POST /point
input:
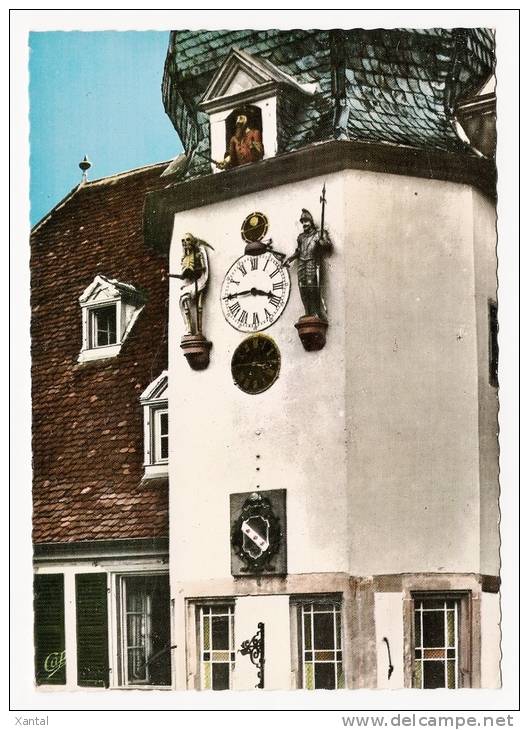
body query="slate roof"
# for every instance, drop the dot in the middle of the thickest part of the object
(87, 419)
(395, 86)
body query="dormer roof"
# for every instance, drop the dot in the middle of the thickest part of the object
(104, 289)
(157, 390)
(242, 76)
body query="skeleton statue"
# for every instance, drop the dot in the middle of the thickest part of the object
(194, 274)
(312, 243)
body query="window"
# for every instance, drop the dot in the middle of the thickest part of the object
(436, 642)
(145, 630)
(320, 629)
(255, 87)
(103, 326)
(156, 426)
(109, 310)
(216, 646)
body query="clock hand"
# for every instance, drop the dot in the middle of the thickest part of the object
(237, 294)
(253, 291)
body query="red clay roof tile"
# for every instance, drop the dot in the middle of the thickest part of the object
(87, 420)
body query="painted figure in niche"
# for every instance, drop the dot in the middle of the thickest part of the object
(195, 273)
(312, 244)
(246, 145)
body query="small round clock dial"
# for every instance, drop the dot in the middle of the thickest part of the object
(255, 364)
(254, 227)
(255, 292)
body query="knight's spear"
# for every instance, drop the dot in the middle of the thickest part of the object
(322, 201)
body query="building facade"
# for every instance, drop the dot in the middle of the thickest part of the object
(100, 502)
(326, 247)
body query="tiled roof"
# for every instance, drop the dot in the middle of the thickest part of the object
(396, 86)
(87, 420)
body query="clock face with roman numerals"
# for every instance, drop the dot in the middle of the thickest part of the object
(254, 292)
(255, 364)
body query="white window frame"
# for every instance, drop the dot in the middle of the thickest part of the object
(120, 618)
(101, 293)
(92, 324)
(154, 402)
(418, 647)
(157, 435)
(203, 664)
(301, 604)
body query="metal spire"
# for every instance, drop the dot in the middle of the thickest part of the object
(85, 165)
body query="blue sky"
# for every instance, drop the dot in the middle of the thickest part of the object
(94, 93)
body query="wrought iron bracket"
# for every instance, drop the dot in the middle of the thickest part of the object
(255, 648)
(390, 667)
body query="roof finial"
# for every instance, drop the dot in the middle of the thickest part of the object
(85, 165)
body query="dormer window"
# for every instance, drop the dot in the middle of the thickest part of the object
(252, 87)
(109, 309)
(156, 427)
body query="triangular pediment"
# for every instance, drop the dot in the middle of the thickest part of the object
(99, 290)
(104, 289)
(241, 72)
(158, 389)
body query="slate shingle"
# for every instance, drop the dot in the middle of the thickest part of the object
(380, 65)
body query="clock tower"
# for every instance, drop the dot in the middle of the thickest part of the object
(333, 460)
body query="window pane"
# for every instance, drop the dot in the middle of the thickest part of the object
(324, 677)
(221, 676)
(161, 434)
(417, 674)
(220, 632)
(137, 666)
(418, 638)
(434, 674)
(450, 628)
(324, 656)
(307, 630)
(104, 326)
(324, 631)
(309, 676)
(433, 603)
(433, 623)
(206, 634)
(451, 675)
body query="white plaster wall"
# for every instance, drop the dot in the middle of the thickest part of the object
(411, 382)
(490, 641)
(273, 611)
(376, 436)
(484, 219)
(388, 623)
(296, 428)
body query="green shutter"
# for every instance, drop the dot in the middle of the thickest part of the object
(92, 629)
(50, 654)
